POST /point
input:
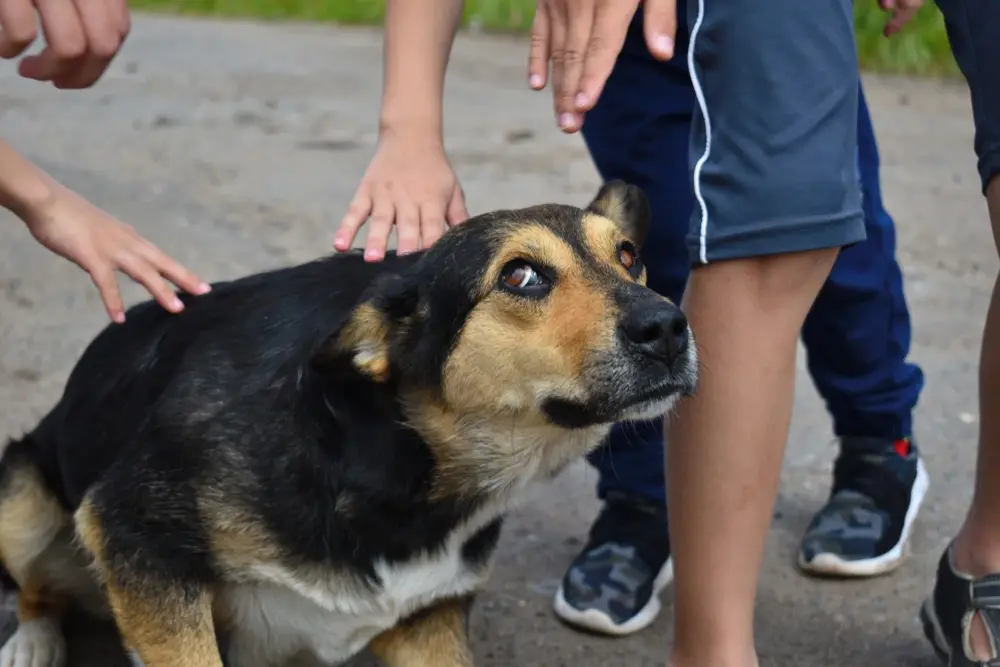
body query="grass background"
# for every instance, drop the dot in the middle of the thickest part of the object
(922, 47)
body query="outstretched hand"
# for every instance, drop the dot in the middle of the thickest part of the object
(582, 39)
(410, 185)
(81, 38)
(72, 227)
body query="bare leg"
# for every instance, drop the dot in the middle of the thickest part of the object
(725, 445)
(976, 550)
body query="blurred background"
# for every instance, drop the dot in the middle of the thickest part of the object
(922, 48)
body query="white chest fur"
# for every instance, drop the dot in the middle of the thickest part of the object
(325, 619)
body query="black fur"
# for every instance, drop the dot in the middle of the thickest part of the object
(162, 405)
(245, 395)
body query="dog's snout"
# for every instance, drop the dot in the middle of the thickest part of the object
(659, 329)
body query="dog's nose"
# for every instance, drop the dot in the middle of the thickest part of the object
(658, 328)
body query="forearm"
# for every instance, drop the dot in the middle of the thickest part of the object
(418, 39)
(22, 184)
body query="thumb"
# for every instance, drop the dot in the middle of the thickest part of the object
(660, 27)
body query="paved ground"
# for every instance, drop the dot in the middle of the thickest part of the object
(236, 147)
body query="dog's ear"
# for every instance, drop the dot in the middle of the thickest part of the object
(625, 205)
(366, 337)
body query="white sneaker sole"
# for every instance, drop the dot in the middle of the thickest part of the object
(833, 565)
(595, 620)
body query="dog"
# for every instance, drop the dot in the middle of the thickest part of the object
(316, 460)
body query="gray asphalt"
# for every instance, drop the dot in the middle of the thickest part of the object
(236, 147)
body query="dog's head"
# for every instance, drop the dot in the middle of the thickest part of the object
(535, 318)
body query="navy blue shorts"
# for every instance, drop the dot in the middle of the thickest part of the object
(773, 143)
(974, 32)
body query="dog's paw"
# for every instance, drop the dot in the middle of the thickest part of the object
(37, 643)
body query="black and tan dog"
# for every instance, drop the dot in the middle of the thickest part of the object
(317, 459)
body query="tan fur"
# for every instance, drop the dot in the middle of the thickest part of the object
(484, 440)
(366, 337)
(165, 627)
(604, 238)
(435, 637)
(534, 346)
(609, 204)
(34, 603)
(30, 519)
(494, 455)
(30, 523)
(238, 540)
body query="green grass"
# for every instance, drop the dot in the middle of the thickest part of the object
(922, 47)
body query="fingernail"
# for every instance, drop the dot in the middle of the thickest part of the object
(566, 121)
(664, 44)
(177, 304)
(118, 317)
(204, 288)
(535, 81)
(581, 100)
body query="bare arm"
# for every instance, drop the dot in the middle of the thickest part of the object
(22, 185)
(418, 39)
(70, 226)
(409, 184)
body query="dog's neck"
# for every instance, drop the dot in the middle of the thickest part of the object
(495, 456)
(477, 457)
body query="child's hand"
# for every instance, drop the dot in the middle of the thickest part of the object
(81, 38)
(411, 185)
(70, 226)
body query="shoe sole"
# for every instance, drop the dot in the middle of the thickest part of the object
(597, 621)
(829, 564)
(933, 632)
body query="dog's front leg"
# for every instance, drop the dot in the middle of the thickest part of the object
(434, 637)
(163, 623)
(164, 627)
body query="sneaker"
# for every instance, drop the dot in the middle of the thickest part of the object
(864, 528)
(613, 586)
(947, 614)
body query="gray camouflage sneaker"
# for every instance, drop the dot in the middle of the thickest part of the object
(864, 529)
(613, 585)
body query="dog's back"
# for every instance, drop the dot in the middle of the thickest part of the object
(270, 322)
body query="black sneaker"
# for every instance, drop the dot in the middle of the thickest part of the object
(865, 527)
(947, 614)
(613, 586)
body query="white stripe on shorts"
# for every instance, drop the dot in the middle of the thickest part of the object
(703, 106)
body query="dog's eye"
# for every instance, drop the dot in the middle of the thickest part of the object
(521, 277)
(629, 257)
